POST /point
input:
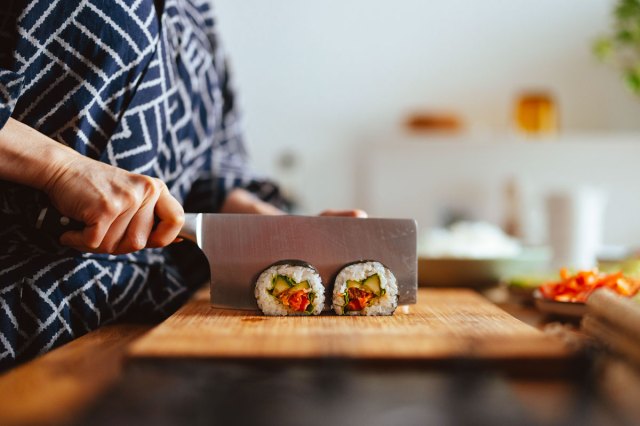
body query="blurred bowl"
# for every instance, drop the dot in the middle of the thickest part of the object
(522, 287)
(557, 308)
(628, 266)
(475, 272)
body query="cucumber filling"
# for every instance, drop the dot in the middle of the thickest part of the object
(291, 294)
(360, 294)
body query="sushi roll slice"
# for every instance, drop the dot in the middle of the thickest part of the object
(290, 287)
(365, 288)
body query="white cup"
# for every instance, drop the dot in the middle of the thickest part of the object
(575, 220)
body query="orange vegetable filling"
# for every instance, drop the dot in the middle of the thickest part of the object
(298, 300)
(358, 298)
(578, 287)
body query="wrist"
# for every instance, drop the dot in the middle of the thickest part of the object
(60, 159)
(242, 201)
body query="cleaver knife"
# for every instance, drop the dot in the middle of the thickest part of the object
(240, 246)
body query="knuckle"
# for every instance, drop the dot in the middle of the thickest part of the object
(160, 184)
(105, 204)
(92, 242)
(135, 242)
(109, 206)
(172, 227)
(148, 184)
(162, 240)
(179, 218)
(131, 196)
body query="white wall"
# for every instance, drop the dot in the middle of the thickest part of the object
(507, 181)
(321, 78)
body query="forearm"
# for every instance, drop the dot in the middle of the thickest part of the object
(242, 201)
(121, 211)
(28, 157)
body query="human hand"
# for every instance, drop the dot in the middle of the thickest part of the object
(242, 201)
(122, 211)
(345, 213)
(118, 208)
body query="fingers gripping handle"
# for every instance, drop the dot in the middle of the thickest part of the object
(55, 224)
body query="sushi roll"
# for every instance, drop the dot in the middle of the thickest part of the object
(365, 288)
(290, 287)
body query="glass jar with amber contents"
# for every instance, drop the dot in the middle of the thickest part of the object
(536, 114)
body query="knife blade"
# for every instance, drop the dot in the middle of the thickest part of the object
(239, 247)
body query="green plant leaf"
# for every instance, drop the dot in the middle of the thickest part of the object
(627, 9)
(624, 36)
(621, 47)
(633, 80)
(602, 48)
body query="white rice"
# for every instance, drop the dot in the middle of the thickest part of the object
(269, 305)
(384, 305)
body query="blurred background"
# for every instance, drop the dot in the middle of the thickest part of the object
(440, 110)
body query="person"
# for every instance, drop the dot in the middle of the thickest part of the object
(122, 116)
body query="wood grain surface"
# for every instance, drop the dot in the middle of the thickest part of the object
(56, 387)
(444, 324)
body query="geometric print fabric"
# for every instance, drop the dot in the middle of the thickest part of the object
(138, 84)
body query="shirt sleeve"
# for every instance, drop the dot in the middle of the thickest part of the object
(17, 203)
(10, 89)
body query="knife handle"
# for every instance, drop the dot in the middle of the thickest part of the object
(55, 224)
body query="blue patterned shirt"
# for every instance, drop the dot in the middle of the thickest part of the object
(137, 84)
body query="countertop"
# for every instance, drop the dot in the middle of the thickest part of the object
(89, 381)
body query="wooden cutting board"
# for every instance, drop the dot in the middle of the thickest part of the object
(444, 324)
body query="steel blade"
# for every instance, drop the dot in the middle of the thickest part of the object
(240, 247)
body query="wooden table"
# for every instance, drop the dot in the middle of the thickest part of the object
(87, 382)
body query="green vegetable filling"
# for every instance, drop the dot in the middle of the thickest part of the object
(371, 285)
(309, 309)
(283, 283)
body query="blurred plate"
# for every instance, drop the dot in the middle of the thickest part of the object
(563, 309)
(522, 287)
(473, 272)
